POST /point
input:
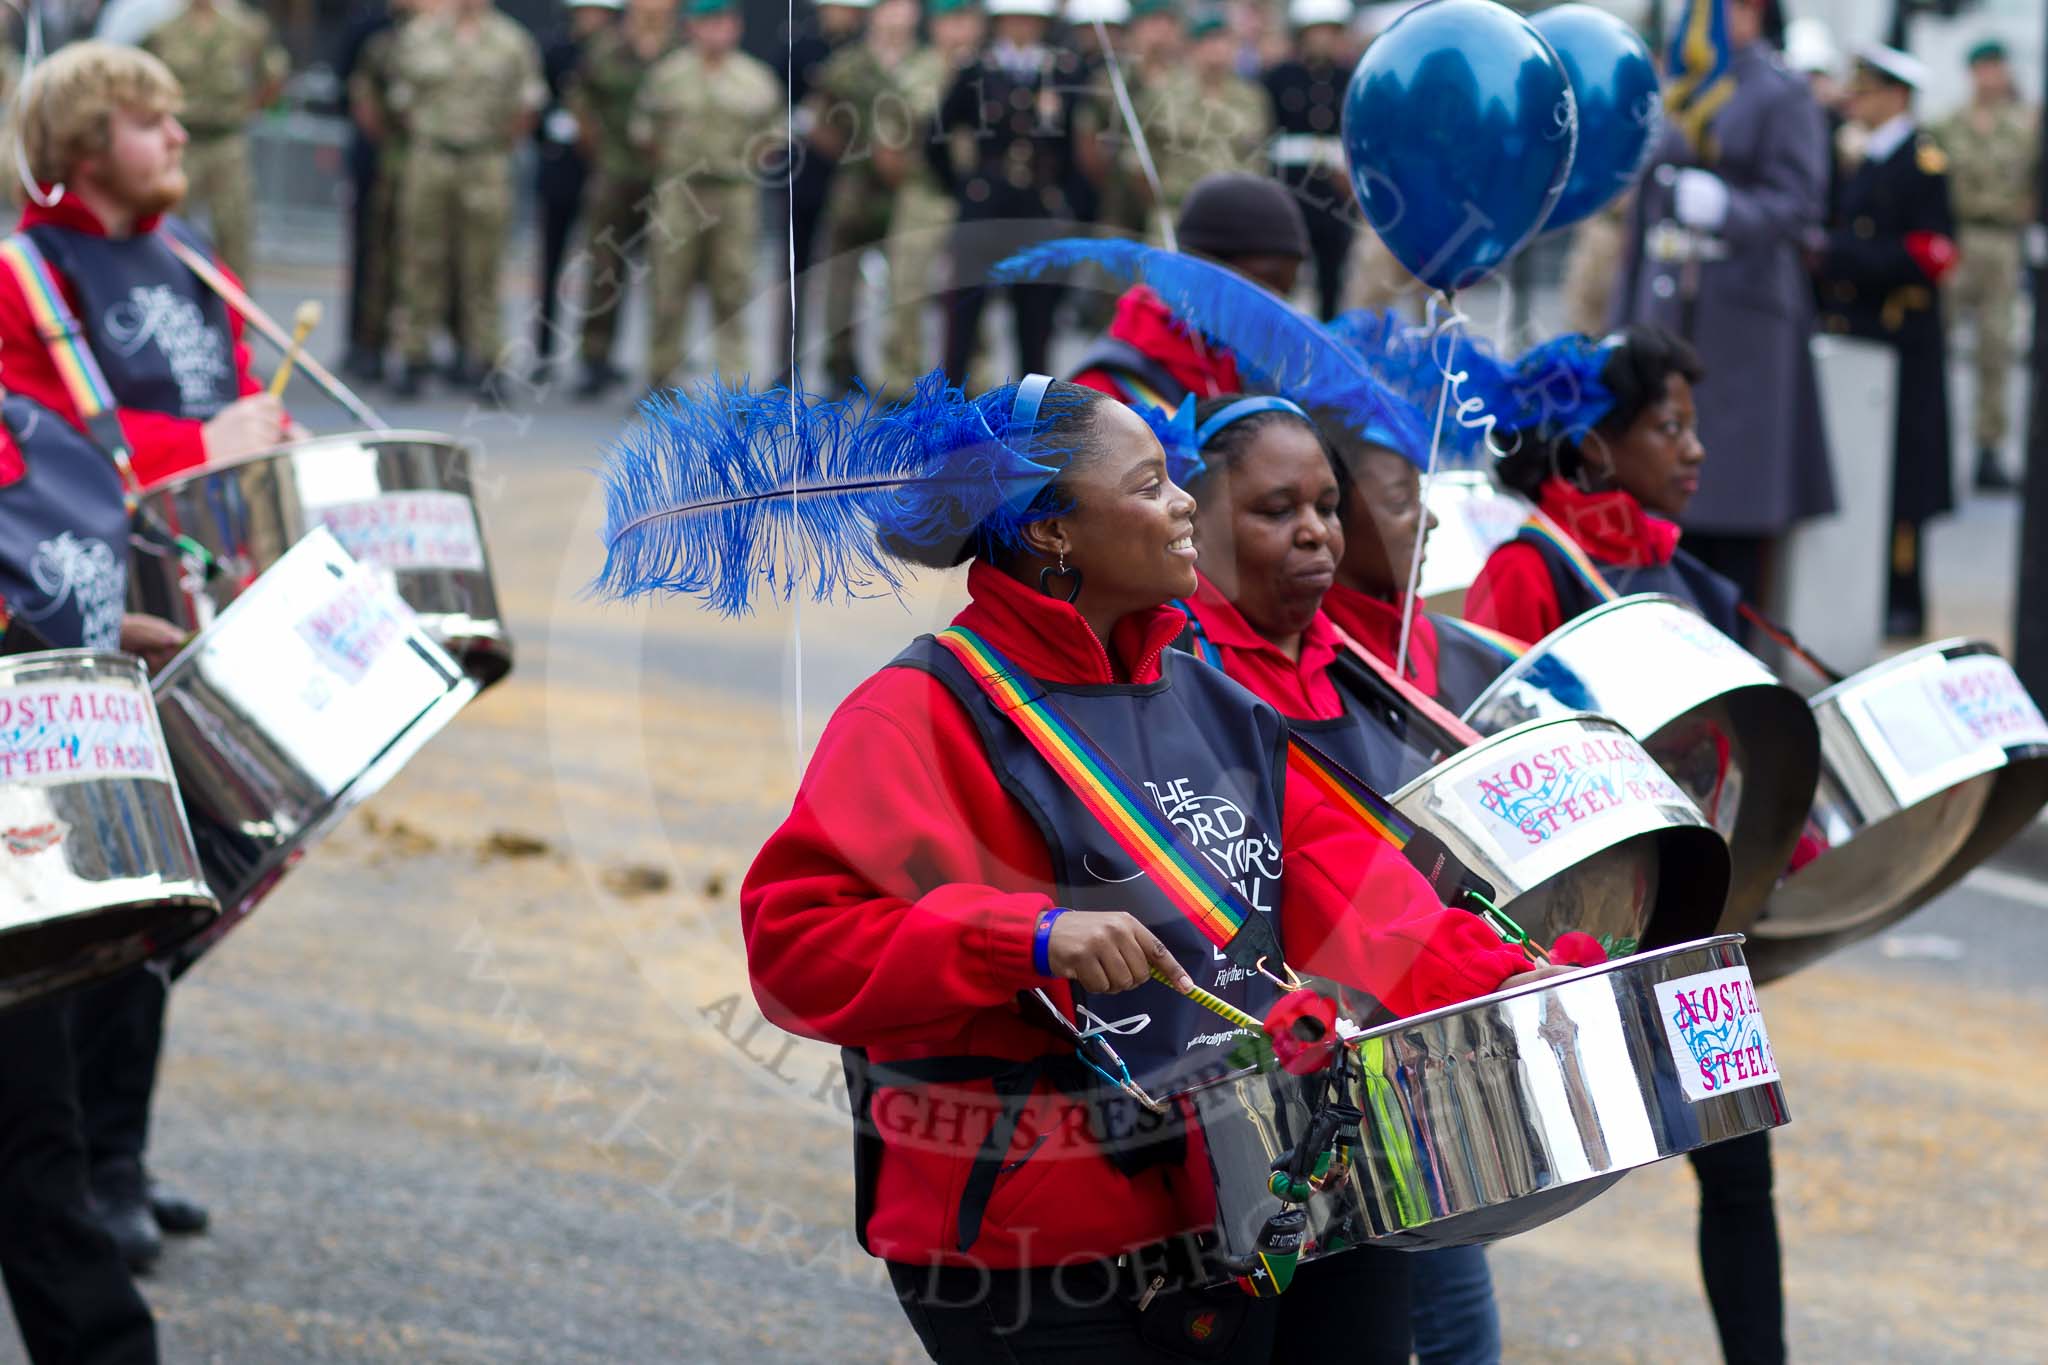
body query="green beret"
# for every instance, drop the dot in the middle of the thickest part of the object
(1990, 50)
(1141, 8)
(1206, 21)
(950, 6)
(703, 9)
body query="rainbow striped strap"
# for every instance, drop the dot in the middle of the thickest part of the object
(1351, 796)
(1506, 645)
(1543, 531)
(69, 352)
(1186, 878)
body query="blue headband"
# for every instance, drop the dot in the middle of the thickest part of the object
(1243, 408)
(1031, 392)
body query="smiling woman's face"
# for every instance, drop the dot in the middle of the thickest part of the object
(1129, 529)
(1268, 530)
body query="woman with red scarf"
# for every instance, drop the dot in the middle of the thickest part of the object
(945, 907)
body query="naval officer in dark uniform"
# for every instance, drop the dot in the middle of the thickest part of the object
(1017, 103)
(1889, 244)
(1307, 91)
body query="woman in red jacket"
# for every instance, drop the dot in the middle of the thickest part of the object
(1613, 471)
(943, 906)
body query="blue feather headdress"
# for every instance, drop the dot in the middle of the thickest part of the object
(1277, 346)
(1557, 386)
(722, 491)
(1176, 433)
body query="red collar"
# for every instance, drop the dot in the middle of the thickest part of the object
(71, 212)
(1612, 527)
(1376, 624)
(1049, 639)
(1144, 322)
(1226, 628)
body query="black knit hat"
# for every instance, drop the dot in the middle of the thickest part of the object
(1235, 213)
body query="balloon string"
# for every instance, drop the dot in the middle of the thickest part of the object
(1445, 327)
(796, 596)
(31, 58)
(1137, 134)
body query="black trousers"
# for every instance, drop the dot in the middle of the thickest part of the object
(1352, 1307)
(362, 240)
(73, 1298)
(119, 1037)
(1326, 207)
(1033, 305)
(1739, 1249)
(559, 187)
(1745, 559)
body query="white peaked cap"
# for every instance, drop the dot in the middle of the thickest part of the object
(1108, 11)
(1302, 13)
(1902, 67)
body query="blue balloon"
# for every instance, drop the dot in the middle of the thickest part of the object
(1459, 129)
(1620, 105)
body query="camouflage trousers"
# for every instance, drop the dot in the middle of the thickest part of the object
(618, 218)
(455, 209)
(920, 232)
(862, 211)
(1983, 289)
(707, 232)
(381, 254)
(219, 184)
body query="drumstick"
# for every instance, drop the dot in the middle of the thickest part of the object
(1211, 1003)
(303, 323)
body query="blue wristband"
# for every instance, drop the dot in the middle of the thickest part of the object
(1041, 940)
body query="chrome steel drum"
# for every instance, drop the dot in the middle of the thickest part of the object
(1931, 761)
(1577, 828)
(1475, 516)
(97, 867)
(399, 501)
(1496, 1116)
(1742, 744)
(303, 699)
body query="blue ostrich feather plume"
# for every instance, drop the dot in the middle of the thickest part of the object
(1558, 388)
(1176, 433)
(1276, 345)
(1411, 361)
(721, 492)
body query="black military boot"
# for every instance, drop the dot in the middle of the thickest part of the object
(410, 383)
(1991, 476)
(599, 378)
(176, 1214)
(120, 1204)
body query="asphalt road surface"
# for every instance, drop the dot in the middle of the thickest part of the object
(483, 1081)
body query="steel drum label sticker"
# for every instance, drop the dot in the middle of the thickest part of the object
(1716, 1032)
(407, 531)
(1961, 707)
(1549, 789)
(351, 630)
(75, 732)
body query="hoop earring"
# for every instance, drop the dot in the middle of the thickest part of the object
(1048, 573)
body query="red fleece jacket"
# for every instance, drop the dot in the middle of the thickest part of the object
(1300, 689)
(1144, 321)
(1514, 593)
(1376, 624)
(894, 911)
(162, 445)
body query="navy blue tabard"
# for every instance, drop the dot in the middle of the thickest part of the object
(1466, 663)
(1212, 756)
(63, 533)
(157, 331)
(1685, 578)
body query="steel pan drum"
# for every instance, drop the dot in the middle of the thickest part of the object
(1475, 516)
(1496, 1116)
(97, 867)
(1577, 828)
(401, 502)
(1742, 744)
(1931, 761)
(303, 699)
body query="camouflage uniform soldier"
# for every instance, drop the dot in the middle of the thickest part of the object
(224, 55)
(923, 221)
(466, 82)
(710, 116)
(1992, 145)
(1204, 117)
(859, 89)
(619, 206)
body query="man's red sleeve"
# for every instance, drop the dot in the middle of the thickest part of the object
(161, 445)
(1514, 594)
